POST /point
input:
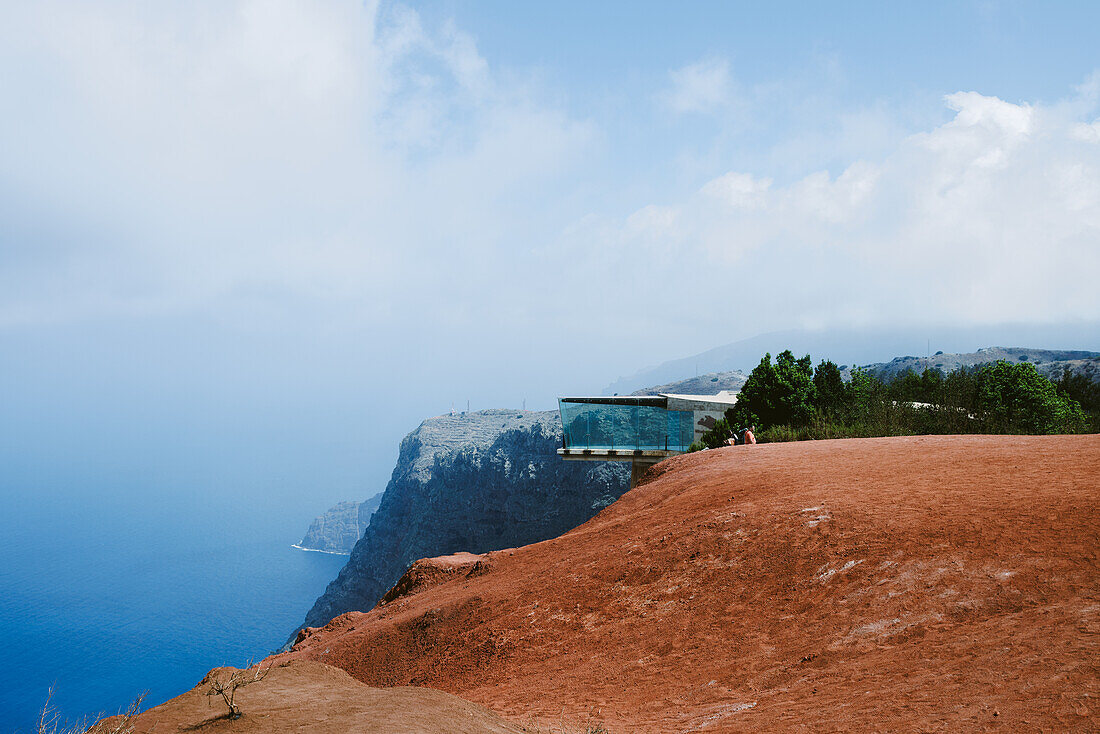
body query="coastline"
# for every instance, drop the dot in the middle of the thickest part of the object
(318, 550)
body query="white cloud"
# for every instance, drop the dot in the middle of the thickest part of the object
(233, 153)
(993, 216)
(1089, 133)
(257, 161)
(701, 87)
(739, 190)
(976, 110)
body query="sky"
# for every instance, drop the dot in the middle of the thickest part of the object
(255, 243)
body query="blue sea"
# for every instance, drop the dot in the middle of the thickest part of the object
(107, 593)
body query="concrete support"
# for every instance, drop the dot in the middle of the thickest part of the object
(638, 468)
(639, 459)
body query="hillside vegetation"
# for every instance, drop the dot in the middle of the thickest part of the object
(790, 399)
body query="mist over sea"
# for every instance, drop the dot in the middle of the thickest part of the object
(108, 592)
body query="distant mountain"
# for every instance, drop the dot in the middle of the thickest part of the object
(708, 384)
(860, 346)
(339, 529)
(1050, 362)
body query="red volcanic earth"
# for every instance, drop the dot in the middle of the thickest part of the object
(944, 583)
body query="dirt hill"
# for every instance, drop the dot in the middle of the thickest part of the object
(306, 696)
(907, 584)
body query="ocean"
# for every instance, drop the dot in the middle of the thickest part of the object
(105, 594)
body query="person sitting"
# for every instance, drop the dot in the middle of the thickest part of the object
(742, 437)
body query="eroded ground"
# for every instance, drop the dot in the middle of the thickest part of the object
(907, 584)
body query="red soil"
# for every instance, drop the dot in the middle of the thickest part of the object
(429, 572)
(914, 584)
(306, 696)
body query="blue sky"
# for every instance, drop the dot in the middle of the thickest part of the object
(272, 234)
(607, 61)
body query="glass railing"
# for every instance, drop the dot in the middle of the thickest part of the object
(590, 425)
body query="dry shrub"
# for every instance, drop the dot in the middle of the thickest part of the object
(50, 722)
(226, 685)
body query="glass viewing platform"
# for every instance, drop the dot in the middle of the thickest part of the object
(641, 429)
(627, 423)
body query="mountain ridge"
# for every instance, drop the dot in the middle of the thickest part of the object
(859, 346)
(1049, 362)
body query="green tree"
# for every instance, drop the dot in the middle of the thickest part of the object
(776, 394)
(1079, 387)
(716, 436)
(789, 400)
(831, 394)
(1015, 398)
(925, 387)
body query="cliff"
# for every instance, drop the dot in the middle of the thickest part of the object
(339, 529)
(927, 583)
(471, 482)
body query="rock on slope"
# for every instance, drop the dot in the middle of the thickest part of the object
(470, 482)
(317, 698)
(339, 529)
(947, 583)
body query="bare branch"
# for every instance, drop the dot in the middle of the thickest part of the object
(49, 720)
(227, 686)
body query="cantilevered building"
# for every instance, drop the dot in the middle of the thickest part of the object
(642, 429)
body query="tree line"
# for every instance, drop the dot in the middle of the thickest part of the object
(791, 400)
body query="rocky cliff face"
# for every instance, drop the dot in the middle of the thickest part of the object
(472, 482)
(339, 529)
